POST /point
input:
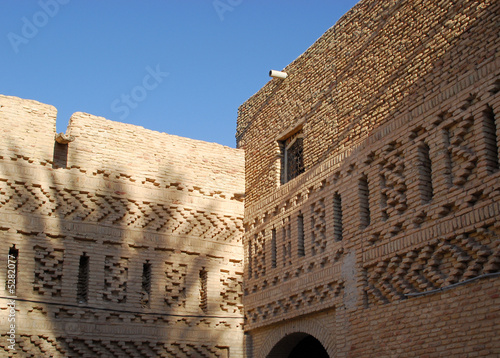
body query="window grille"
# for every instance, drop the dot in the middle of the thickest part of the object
(82, 285)
(292, 164)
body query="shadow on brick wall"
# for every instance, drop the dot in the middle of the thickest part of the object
(112, 261)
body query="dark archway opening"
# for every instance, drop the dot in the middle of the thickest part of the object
(309, 347)
(298, 345)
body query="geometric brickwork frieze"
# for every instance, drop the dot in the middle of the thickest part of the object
(83, 206)
(437, 264)
(61, 347)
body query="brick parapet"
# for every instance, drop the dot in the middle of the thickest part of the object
(156, 156)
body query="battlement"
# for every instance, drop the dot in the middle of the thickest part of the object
(115, 150)
(28, 128)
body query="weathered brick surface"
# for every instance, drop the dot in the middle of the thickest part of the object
(127, 197)
(386, 246)
(398, 105)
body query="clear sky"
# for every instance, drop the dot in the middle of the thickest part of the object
(180, 67)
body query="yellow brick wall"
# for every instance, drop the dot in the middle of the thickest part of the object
(125, 196)
(399, 106)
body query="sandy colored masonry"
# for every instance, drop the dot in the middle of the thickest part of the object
(398, 110)
(158, 220)
(359, 216)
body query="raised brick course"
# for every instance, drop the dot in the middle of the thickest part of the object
(150, 211)
(136, 243)
(398, 106)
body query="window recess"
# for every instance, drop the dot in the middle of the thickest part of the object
(291, 145)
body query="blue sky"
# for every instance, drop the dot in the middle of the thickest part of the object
(180, 67)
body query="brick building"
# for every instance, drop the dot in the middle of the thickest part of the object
(128, 242)
(373, 183)
(369, 228)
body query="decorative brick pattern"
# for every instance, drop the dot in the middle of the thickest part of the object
(393, 185)
(398, 108)
(387, 230)
(144, 221)
(259, 254)
(328, 294)
(438, 264)
(58, 348)
(48, 271)
(318, 227)
(83, 206)
(462, 157)
(175, 288)
(115, 279)
(232, 292)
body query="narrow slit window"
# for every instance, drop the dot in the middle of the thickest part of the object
(490, 130)
(146, 284)
(82, 286)
(273, 248)
(425, 173)
(364, 201)
(203, 290)
(289, 241)
(337, 217)
(300, 229)
(250, 258)
(284, 241)
(11, 281)
(383, 197)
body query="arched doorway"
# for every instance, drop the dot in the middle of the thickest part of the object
(298, 345)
